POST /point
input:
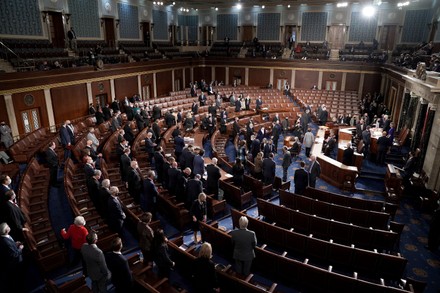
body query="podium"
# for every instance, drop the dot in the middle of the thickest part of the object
(393, 184)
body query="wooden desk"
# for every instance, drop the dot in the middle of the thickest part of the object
(345, 135)
(332, 171)
(375, 134)
(223, 173)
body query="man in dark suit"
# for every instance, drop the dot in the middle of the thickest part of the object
(149, 147)
(193, 188)
(149, 196)
(360, 127)
(347, 156)
(128, 133)
(104, 195)
(52, 161)
(258, 103)
(93, 187)
(276, 131)
(129, 112)
(95, 265)
(134, 180)
(13, 216)
(156, 130)
(115, 214)
(366, 139)
(243, 242)
(118, 266)
(199, 163)
(255, 147)
(287, 160)
(202, 99)
(5, 185)
(314, 171)
(235, 127)
(12, 260)
(159, 161)
(189, 157)
(301, 179)
(214, 175)
(383, 143)
(269, 167)
(115, 106)
(179, 144)
(106, 112)
(65, 138)
(174, 175)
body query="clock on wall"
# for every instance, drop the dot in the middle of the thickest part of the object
(108, 7)
(29, 100)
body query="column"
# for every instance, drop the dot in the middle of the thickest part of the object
(154, 85)
(361, 85)
(112, 89)
(271, 78)
(292, 79)
(89, 92)
(344, 80)
(140, 87)
(246, 76)
(227, 76)
(184, 78)
(213, 73)
(320, 80)
(172, 81)
(421, 111)
(382, 83)
(432, 156)
(49, 107)
(11, 115)
(192, 74)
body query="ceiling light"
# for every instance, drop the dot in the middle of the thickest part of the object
(174, 3)
(368, 11)
(263, 6)
(342, 4)
(402, 4)
(216, 9)
(238, 6)
(288, 6)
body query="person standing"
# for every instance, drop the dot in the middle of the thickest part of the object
(11, 254)
(52, 160)
(205, 275)
(383, 143)
(146, 235)
(366, 139)
(115, 216)
(161, 255)
(287, 160)
(14, 216)
(77, 234)
(118, 266)
(301, 179)
(134, 180)
(198, 213)
(6, 135)
(71, 35)
(308, 141)
(95, 265)
(214, 175)
(314, 171)
(269, 167)
(347, 156)
(149, 196)
(66, 140)
(243, 243)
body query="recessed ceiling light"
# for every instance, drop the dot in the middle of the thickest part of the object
(368, 11)
(263, 6)
(238, 6)
(288, 6)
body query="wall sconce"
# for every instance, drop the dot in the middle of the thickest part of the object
(152, 26)
(45, 15)
(117, 22)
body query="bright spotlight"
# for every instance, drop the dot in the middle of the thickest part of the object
(238, 6)
(263, 6)
(368, 11)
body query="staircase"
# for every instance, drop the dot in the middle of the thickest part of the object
(5, 66)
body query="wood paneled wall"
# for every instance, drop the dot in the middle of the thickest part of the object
(126, 87)
(100, 88)
(259, 77)
(69, 102)
(164, 83)
(202, 73)
(236, 72)
(352, 82)
(371, 83)
(39, 103)
(3, 113)
(220, 74)
(306, 79)
(332, 76)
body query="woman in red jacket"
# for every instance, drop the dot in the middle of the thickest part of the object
(77, 234)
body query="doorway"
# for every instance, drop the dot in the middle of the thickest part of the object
(109, 32)
(331, 85)
(146, 92)
(281, 83)
(248, 33)
(388, 37)
(290, 36)
(147, 35)
(101, 100)
(56, 30)
(30, 119)
(336, 36)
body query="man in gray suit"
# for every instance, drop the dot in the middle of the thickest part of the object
(244, 242)
(314, 171)
(95, 266)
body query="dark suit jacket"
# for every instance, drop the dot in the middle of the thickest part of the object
(301, 180)
(193, 189)
(150, 193)
(64, 136)
(174, 175)
(125, 165)
(314, 172)
(95, 262)
(89, 170)
(106, 112)
(15, 219)
(189, 159)
(179, 144)
(99, 118)
(115, 214)
(10, 254)
(134, 180)
(149, 146)
(51, 158)
(213, 177)
(269, 167)
(244, 242)
(121, 273)
(198, 165)
(347, 157)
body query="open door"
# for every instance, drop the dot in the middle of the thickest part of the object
(248, 33)
(388, 37)
(290, 35)
(109, 32)
(57, 33)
